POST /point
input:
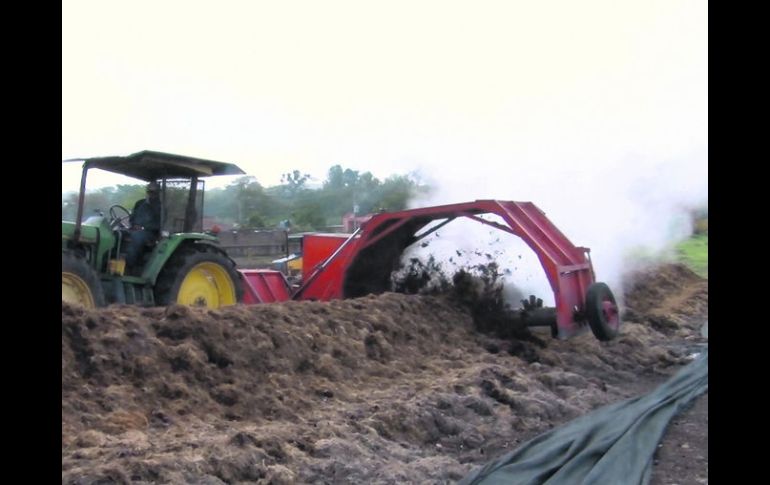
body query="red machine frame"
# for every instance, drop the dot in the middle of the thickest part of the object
(362, 263)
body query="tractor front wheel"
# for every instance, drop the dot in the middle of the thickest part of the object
(602, 312)
(79, 282)
(200, 278)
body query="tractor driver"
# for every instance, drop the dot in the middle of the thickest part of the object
(145, 224)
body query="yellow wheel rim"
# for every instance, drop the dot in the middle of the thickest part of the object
(75, 290)
(207, 284)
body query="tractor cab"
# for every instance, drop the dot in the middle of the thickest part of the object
(179, 207)
(100, 241)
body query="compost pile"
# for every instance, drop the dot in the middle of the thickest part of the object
(393, 388)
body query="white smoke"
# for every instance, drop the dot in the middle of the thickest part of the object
(615, 157)
(618, 203)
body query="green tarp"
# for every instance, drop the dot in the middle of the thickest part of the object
(614, 444)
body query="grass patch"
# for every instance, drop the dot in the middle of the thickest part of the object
(694, 252)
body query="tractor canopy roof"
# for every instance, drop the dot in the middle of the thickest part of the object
(149, 165)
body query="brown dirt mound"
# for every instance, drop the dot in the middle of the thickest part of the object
(381, 389)
(665, 297)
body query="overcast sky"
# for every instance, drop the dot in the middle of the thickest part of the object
(591, 109)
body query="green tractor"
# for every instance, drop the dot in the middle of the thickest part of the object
(183, 265)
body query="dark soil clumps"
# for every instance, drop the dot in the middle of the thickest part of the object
(393, 388)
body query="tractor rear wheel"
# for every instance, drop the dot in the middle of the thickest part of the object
(199, 278)
(602, 312)
(79, 282)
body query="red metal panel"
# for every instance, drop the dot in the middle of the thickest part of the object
(264, 286)
(316, 248)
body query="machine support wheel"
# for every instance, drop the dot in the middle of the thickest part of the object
(199, 278)
(602, 312)
(79, 282)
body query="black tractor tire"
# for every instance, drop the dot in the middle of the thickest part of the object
(602, 312)
(80, 283)
(199, 277)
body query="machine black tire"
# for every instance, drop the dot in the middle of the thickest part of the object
(222, 281)
(604, 327)
(80, 283)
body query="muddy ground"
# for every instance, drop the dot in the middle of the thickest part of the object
(382, 389)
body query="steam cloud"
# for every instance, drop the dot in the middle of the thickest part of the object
(619, 200)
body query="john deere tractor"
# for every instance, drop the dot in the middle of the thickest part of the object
(183, 265)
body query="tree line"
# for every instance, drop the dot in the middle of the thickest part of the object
(248, 204)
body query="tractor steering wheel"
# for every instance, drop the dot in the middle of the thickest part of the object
(119, 221)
